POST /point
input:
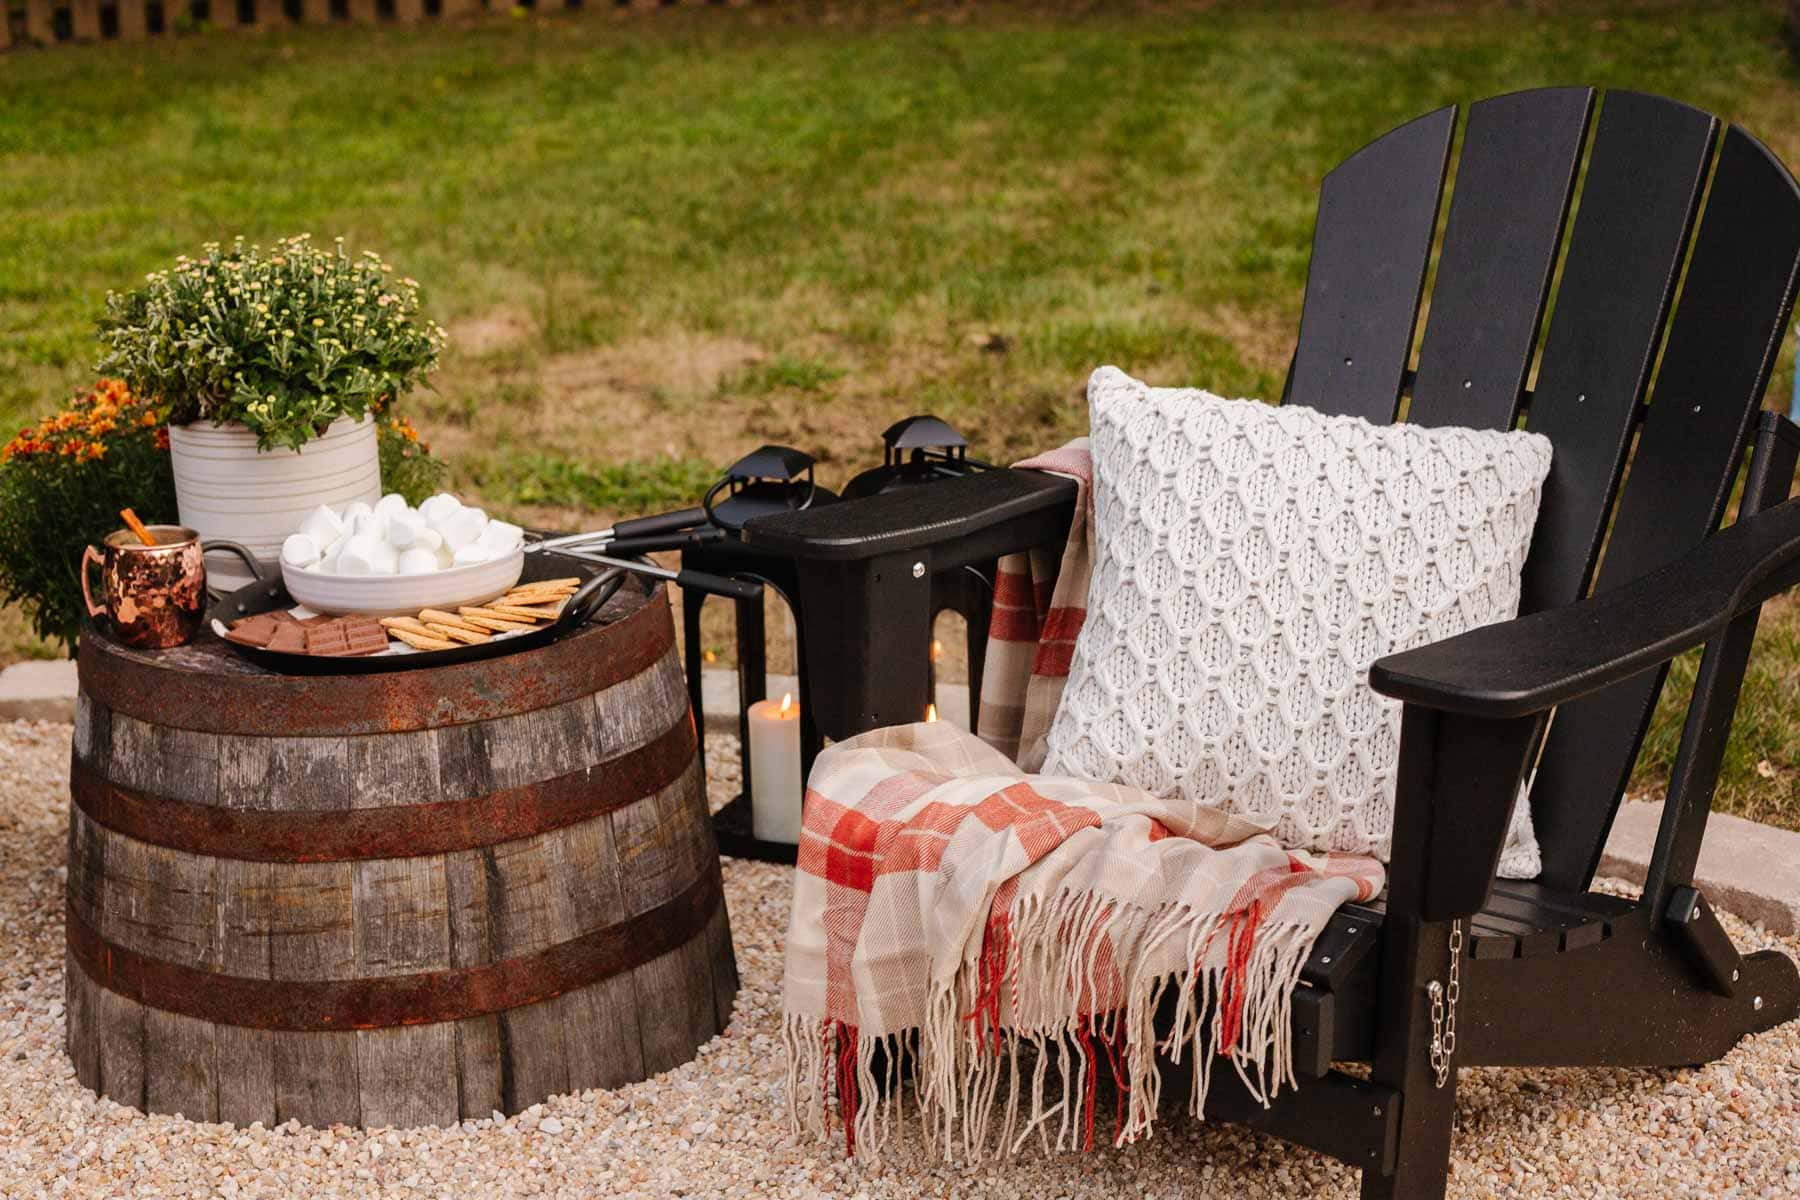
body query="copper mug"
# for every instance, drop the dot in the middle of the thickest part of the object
(155, 596)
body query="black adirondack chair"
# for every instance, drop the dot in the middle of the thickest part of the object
(1684, 243)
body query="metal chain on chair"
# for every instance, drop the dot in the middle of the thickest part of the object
(1443, 1009)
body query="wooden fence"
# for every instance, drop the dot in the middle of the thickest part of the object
(52, 22)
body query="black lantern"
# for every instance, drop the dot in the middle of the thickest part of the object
(916, 451)
(768, 480)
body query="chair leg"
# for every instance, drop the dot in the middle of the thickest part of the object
(1422, 1164)
(1414, 954)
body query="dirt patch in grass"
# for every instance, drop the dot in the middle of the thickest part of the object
(502, 329)
(646, 397)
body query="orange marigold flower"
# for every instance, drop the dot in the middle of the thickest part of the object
(95, 451)
(147, 420)
(101, 425)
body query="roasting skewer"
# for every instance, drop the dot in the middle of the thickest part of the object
(699, 581)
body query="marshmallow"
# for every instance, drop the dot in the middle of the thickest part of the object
(389, 537)
(470, 555)
(404, 528)
(463, 527)
(299, 550)
(371, 525)
(363, 555)
(438, 507)
(501, 538)
(322, 525)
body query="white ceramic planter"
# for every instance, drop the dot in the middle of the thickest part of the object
(227, 488)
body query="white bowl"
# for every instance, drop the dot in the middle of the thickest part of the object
(404, 595)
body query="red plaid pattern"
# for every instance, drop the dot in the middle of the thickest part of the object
(1040, 602)
(933, 870)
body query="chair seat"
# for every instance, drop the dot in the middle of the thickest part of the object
(1335, 1006)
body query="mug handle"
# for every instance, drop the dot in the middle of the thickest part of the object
(91, 555)
(256, 570)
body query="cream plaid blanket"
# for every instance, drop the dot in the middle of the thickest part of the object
(1004, 940)
(1039, 606)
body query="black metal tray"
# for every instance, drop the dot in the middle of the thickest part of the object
(265, 595)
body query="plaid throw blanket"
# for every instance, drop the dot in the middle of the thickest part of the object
(968, 927)
(1039, 605)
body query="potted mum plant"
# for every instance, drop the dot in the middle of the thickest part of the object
(273, 365)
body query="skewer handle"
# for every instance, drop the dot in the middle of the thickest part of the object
(698, 581)
(669, 522)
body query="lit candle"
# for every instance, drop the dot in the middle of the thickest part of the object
(775, 785)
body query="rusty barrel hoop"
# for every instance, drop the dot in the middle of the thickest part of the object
(397, 899)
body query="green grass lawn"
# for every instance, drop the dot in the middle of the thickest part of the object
(659, 238)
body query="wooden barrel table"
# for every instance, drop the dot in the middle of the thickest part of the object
(395, 899)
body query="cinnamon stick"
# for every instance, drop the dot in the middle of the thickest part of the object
(137, 527)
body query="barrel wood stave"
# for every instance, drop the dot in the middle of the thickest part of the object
(250, 907)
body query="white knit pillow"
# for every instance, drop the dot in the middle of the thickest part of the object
(1250, 563)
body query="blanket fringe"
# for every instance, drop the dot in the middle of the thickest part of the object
(1073, 985)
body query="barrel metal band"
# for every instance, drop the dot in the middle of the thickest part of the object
(425, 998)
(397, 831)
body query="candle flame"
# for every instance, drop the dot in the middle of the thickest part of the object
(787, 702)
(931, 712)
(937, 649)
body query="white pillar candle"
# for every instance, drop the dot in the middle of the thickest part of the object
(775, 784)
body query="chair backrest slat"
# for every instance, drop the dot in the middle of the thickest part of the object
(1644, 178)
(1723, 337)
(1377, 213)
(1513, 183)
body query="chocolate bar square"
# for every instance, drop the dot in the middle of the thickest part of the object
(254, 631)
(289, 638)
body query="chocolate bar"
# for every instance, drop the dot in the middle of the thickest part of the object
(285, 633)
(347, 637)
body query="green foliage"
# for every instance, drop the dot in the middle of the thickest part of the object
(407, 466)
(621, 488)
(284, 341)
(62, 485)
(1760, 778)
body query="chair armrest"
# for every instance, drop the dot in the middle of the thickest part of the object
(981, 516)
(1536, 662)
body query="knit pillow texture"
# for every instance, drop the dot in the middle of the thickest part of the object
(1250, 563)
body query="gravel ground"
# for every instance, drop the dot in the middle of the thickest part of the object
(712, 1128)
